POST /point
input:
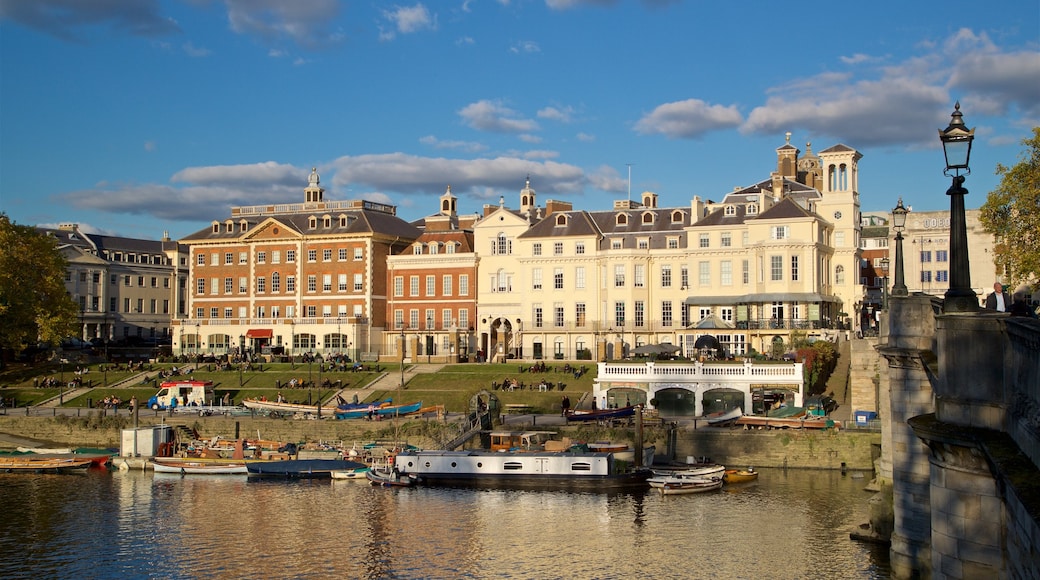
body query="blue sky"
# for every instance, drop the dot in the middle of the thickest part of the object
(134, 117)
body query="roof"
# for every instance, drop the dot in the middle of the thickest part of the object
(760, 298)
(359, 221)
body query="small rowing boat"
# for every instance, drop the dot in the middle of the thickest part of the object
(31, 463)
(740, 475)
(389, 478)
(189, 467)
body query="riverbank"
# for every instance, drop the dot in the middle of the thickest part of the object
(796, 449)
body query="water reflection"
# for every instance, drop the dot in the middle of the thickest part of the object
(785, 525)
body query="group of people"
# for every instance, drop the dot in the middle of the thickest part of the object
(1018, 305)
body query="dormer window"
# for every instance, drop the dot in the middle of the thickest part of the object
(243, 226)
(433, 247)
(731, 210)
(342, 221)
(450, 248)
(561, 220)
(216, 228)
(752, 209)
(312, 222)
(417, 249)
(622, 219)
(648, 218)
(677, 217)
(327, 222)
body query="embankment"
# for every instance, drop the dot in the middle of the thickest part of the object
(797, 449)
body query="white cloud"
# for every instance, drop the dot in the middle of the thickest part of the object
(305, 22)
(492, 116)
(64, 19)
(409, 19)
(467, 146)
(857, 58)
(525, 47)
(408, 174)
(586, 137)
(606, 178)
(903, 103)
(688, 119)
(528, 138)
(561, 114)
(194, 51)
(267, 173)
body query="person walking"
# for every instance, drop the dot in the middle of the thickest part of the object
(998, 299)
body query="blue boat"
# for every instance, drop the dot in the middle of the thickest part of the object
(301, 468)
(344, 407)
(387, 411)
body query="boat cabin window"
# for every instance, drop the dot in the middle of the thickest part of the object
(513, 466)
(581, 467)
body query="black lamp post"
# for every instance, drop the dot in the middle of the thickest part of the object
(956, 140)
(403, 338)
(884, 283)
(198, 341)
(899, 223)
(292, 343)
(429, 339)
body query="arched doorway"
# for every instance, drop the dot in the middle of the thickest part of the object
(716, 400)
(501, 341)
(675, 402)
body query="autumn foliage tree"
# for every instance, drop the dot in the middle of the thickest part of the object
(1012, 214)
(34, 305)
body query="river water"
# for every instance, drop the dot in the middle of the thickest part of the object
(100, 524)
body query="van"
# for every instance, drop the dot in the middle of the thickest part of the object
(175, 394)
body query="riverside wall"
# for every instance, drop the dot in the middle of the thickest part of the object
(797, 449)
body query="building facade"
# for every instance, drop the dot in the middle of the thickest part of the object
(432, 299)
(126, 288)
(768, 261)
(293, 279)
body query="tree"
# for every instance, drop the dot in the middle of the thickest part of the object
(1012, 214)
(34, 305)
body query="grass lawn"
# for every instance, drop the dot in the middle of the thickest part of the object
(453, 386)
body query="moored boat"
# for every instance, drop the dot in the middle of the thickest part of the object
(683, 486)
(384, 411)
(691, 471)
(602, 414)
(357, 473)
(740, 475)
(287, 408)
(804, 422)
(301, 468)
(590, 471)
(32, 463)
(97, 458)
(389, 478)
(190, 467)
(724, 417)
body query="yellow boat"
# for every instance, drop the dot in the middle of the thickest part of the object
(740, 475)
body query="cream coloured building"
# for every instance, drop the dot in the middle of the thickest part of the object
(768, 260)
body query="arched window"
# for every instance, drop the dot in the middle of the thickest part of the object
(839, 275)
(622, 219)
(433, 247)
(731, 210)
(677, 217)
(752, 209)
(450, 248)
(276, 282)
(417, 249)
(648, 218)
(561, 220)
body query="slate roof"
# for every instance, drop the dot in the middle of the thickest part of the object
(359, 221)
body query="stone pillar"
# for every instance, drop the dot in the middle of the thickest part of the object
(968, 524)
(907, 350)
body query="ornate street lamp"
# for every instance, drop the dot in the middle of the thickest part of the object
(956, 140)
(899, 223)
(884, 284)
(241, 356)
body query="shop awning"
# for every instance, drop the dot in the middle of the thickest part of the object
(259, 333)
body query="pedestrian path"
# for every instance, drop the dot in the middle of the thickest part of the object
(838, 383)
(388, 381)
